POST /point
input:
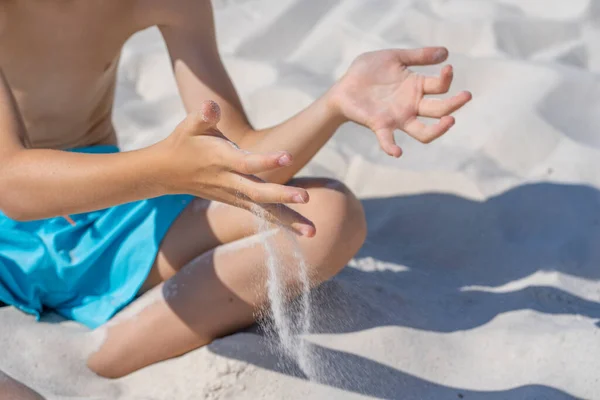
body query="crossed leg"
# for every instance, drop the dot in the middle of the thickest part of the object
(209, 279)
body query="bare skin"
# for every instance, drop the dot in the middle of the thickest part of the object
(58, 91)
(11, 389)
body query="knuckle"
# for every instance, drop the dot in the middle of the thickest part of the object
(221, 160)
(242, 165)
(445, 105)
(216, 157)
(195, 119)
(364, 57)
(434, 85)
(444, 110)
(448, 109)
(384, 122)
(429, 137)
(283, 196)
(254, 195)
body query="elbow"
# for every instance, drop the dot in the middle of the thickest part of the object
(12, 203)
(11, 207)
(18, 203)
(13, 211)
(15, 207)
(23, 214)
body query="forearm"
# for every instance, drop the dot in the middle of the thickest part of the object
(201, 75)
(37, 183)
(302, 135)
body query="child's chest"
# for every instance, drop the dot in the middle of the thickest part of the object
(78, 39)
(60, 57)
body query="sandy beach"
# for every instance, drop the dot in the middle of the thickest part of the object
(480, 276)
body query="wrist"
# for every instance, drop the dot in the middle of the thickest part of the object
(158, 169)
(332, 106)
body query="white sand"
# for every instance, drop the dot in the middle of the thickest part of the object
(480, 275)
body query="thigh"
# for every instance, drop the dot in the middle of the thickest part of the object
(202, 226)
(173, 318)
(216, 294)
(220, 290)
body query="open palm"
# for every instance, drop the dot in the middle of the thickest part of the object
(381, 93)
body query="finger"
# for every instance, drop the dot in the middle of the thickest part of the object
(428, 133)
(424, 56)
(435, 108)
(285, 216)
(387, 142)
(441, 84)
(254, 163)
(277, 214)
(258, 191)
(203, 121)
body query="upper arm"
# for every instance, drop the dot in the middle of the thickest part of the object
(189, 32)
(12, 131)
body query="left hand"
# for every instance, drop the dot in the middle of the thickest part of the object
(381, 93)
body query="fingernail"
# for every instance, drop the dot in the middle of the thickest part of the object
(440, 55)
(305, 230)
(284, 160)
(210, 111)
(298, 198)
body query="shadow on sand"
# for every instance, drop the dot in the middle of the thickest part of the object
(447, 244)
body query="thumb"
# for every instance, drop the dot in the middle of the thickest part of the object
(203, 121)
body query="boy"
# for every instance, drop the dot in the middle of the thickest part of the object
(142, 220)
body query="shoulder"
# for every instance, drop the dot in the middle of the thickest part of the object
(172, 12)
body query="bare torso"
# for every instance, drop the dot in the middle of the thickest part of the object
(60, 58)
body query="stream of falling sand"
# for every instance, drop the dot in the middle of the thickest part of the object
(288, 329)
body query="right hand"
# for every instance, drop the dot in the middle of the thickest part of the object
(379, 91)
(201, 161)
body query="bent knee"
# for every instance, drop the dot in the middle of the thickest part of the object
(339, 218)
(335, 204)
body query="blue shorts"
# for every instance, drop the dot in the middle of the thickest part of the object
(86, 272)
